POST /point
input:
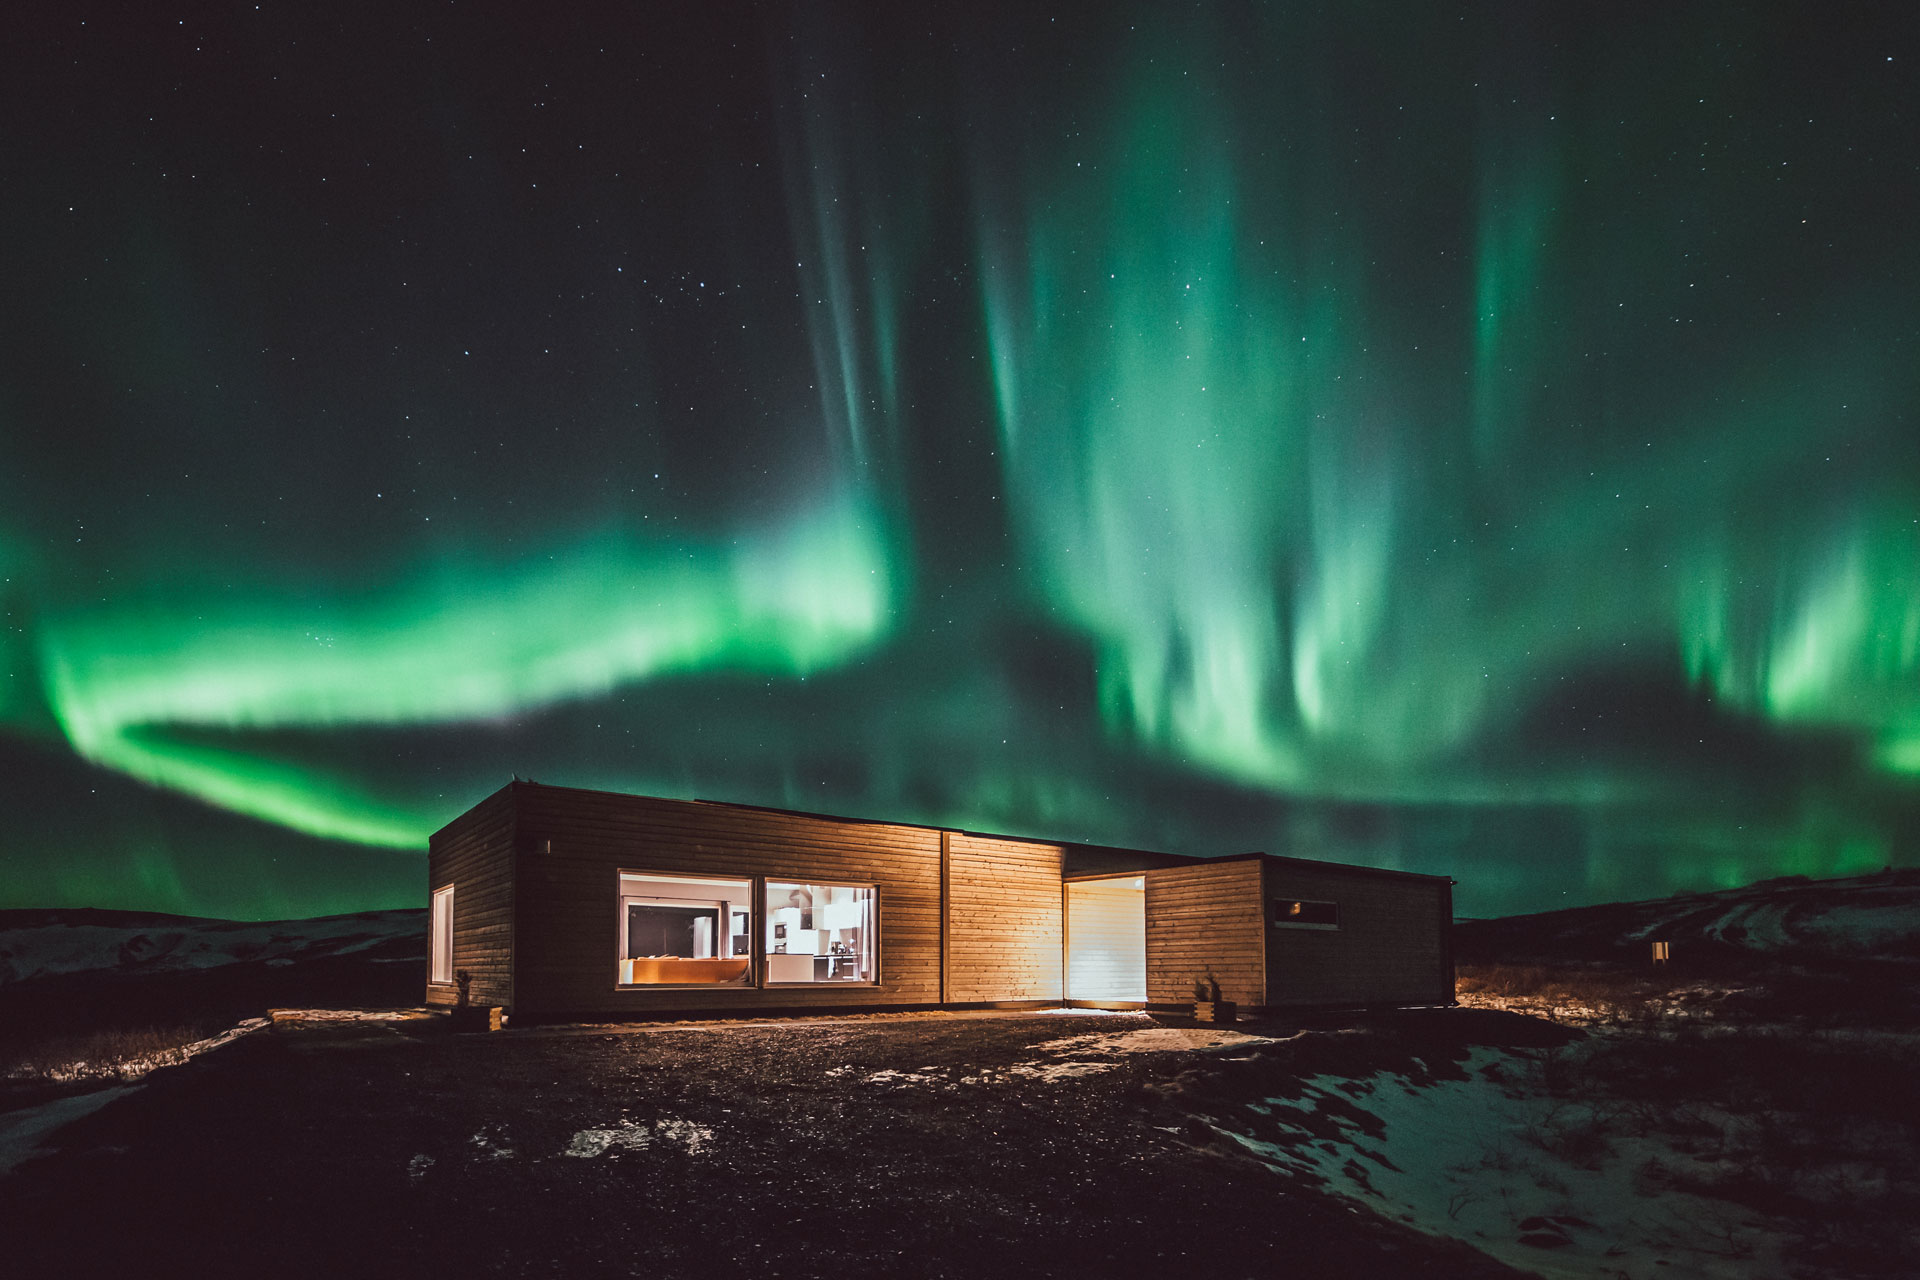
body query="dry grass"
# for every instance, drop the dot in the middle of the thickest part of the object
(105, 1054)
(1853, 996)
(1584, 992)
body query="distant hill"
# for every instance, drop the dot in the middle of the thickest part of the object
(41, 944)
(1859, 917)
(82, 969)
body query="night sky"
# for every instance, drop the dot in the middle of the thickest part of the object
(1479, 440)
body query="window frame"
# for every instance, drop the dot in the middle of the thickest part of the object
(621, 896)
(760, 941)
(434, 969)
(1275, 922)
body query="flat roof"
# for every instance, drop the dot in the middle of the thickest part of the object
(1173, 858)
(1163, 859)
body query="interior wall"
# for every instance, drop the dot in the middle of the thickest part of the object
(1107, 939)
(736, 893)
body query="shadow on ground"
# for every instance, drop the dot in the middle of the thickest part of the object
(927, 1146)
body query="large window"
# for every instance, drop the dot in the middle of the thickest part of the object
(678, 931)
(440, 937)
(819, 932)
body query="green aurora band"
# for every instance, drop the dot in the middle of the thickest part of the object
(1398, 461)
(457, 646)
(1216, 465)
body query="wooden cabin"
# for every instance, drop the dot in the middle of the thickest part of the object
(559, 903)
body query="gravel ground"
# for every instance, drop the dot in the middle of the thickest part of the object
(940, 1145)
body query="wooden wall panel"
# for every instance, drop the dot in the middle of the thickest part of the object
(1391, 947)
(1106, 940)
(574, 844)
(1004, 917)
(1204, 919)
(474, 853)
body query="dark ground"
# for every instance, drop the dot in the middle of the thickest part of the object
(381, 1149)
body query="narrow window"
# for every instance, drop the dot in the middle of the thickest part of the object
(820, 932)
(1299, 913)
(440, 936)
(678, 931)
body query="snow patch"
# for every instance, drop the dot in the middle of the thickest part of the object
(491, 1144)
(1153, 1040)
(889, 1076)
(635, 1136)
(1103, 1048)
(1762, 925)
(23, 1132)
(1052, 1071)
(1865, 928)
(1861, 915)
(1513, 1173)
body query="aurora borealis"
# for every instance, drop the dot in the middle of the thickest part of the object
(1474, 439)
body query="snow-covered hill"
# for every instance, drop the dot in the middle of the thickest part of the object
(1862, 916)
(45, 944)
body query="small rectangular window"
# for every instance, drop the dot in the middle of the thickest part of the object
(1298, 913)
(440, 937)
(820, 932)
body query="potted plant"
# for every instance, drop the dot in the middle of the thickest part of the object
(1207, 1004)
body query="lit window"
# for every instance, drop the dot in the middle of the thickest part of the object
(1298, 913)
(820, 932)
(678, 931)
(440, 936)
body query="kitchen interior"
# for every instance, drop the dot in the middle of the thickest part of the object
(819, 933)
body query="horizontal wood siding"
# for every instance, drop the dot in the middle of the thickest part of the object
(536, 872)
(1004, 917)
(474, 853)
(1390, 947)
(569, 897)
(1204, 919)
(1106, 940)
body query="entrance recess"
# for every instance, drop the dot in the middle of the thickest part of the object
(1107, 939)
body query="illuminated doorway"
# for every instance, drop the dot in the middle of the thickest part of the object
(1107, 939)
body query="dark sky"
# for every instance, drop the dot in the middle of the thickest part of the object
(1472, 439)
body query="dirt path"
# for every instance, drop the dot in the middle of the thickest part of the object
(940, 1146)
